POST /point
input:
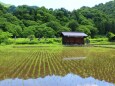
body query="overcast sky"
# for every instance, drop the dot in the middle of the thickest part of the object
(68, 4)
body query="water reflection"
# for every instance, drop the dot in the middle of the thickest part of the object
(41, 62)
(68, 80)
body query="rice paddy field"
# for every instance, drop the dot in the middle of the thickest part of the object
(56, 66)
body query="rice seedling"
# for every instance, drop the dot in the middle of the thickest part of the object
(34, 62)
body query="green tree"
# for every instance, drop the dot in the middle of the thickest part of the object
(28, 31)
(28, 23)
(16, 30)
(24, 20)
(4, 36)
(3, 9)
(44, 31)
(73, 25)
(57, 27)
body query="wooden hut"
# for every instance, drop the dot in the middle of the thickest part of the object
(73, 38)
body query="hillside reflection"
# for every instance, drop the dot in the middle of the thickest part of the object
(68, 80)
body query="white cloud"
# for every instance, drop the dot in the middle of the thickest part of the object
(68, 4)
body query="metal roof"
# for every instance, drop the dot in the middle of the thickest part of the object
(74, 34)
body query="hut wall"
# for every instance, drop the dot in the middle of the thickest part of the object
(72, 40)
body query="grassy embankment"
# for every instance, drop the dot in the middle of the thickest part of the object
(101, 42)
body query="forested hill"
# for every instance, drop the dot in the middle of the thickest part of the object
(108, 8)
(6, 5)
(23, 21)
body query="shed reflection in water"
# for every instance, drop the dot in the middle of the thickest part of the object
(68, 80)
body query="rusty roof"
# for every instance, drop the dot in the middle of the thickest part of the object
(74, 34)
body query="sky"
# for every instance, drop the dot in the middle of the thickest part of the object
(55, 4)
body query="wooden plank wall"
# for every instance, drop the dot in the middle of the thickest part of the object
(72, 40)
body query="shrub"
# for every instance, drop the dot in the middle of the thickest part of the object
(33, 42)
(22, 41)
(4, 36)
(57, 40)
(111, 36)
(10, 41)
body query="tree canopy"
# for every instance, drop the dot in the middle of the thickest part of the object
(23, 21)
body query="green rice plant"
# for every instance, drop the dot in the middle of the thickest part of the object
(49, 66)
(19, 67)
(35, 65)
(55, 63)
(59, 65)
(44, 69)
(11, 65)
(52, 65)
(40, 59)
(25, 66)
(30, 69)
(34, 62)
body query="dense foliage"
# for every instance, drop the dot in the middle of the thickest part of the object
(24, 21)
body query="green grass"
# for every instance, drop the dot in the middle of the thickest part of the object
(99, 41)
(34, 41)
(102, 42)
(106, 46)
(52, 41)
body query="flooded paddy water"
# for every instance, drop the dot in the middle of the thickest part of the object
(57, 66)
